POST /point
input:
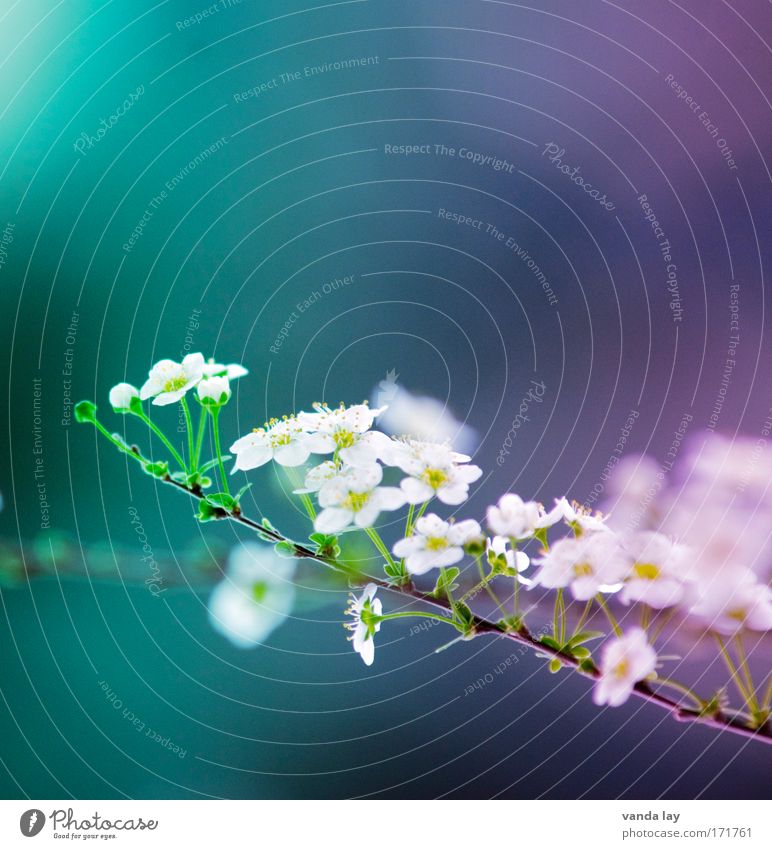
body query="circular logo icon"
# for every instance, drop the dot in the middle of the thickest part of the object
(32, 822)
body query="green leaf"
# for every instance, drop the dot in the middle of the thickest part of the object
(587, 666)
(156, 470)
(584, 637)
(285, 549)
(210, 464)
(580, 652)
(446, 582)
(85, 411)
(465, 615)
(555, 665)
(208, 512)
(551, 642)
(222, 500)
(241, 492)
(396, 573)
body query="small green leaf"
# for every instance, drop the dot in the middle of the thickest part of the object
(208, 512)
(241, 492)
(465, 615)
(285, 549)
(85, 411)
(555, 665)
(580, 652)
(210, 464)
(587, 666)
(551, 642)
(222, 500)
(446, 582)
(156, 470)
(584, 637)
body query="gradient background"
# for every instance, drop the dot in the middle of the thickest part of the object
(301, 193)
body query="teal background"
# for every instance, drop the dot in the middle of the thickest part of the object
(302, 193)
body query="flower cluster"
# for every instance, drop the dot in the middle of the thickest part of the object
(689, 558)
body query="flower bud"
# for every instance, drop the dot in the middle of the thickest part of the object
(214, 391)
(121, 397)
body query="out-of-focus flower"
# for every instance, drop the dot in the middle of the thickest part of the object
(513, 517)
(169, 381)
(589, 564)
(365, 611)
(231, 371)
(434, 469)
(424, 419)
(214, 391)
(121, 397)
(255, 596)
(633, 501)
(659, 568)
(346, 431)
(746, 605)
(625, 661)
(282, 440)
(354, 496)
(435, 543)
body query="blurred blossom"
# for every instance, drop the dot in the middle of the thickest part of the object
(423, 419)
(625, 661)
(255, 596)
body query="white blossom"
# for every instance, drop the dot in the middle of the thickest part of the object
(317, 476)
(572, 514)
(624, 661)
(513, 517)
(255, 596)
(659, 567)
(214, 390)
(433, 469)
(122, 395)
(435, 543)
(169, 381)
(282, 440)
(364, 611)
(345, 430)
(353, 496)
(231, 371)
(517, 560)
(746, 605)
(422, 418)
(589, 564)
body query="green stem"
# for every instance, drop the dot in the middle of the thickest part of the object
(420, 613)
(120, 446)
(746, 671)
(188, 427)
(682, 688)
(305, 498)
(645, 616)
(559, 618)
(609, 615)
(216, 433)
(162, 436)
(485, 582)
(381, 546)
(421, 511)
(767, 700)
(735, 675)
(409, 522)
(583, 617)
(199, 440)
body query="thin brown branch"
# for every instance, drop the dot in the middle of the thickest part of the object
(719, 721)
